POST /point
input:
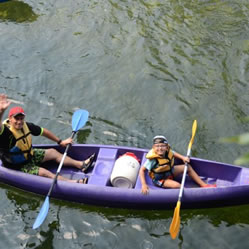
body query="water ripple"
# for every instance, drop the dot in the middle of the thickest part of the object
(140, 68)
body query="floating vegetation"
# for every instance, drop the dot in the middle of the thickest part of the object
(16, 11)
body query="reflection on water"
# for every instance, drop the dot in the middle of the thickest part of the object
(79, 225)
(106, 132)
(1, 1)
(217, 216)
(93, 226)
(16, 11)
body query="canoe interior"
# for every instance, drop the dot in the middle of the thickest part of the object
(211, 172)
(232, 182)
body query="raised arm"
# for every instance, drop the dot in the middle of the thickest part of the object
(4, 104)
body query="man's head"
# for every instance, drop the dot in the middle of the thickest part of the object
(16, 117)
(160, 145)
(15, 111)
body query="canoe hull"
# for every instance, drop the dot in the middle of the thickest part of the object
(232, 182)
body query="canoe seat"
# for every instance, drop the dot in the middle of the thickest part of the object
(103, 167)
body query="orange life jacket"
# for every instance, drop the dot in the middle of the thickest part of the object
(164, 165)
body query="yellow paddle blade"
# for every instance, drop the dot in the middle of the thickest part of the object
(175, 224)
(194, 128)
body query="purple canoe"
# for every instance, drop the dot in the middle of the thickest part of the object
(232, 181)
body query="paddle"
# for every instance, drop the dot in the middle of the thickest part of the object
(175, 224)
(78, 121)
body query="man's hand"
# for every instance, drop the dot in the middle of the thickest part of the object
(4, 103)
(67, 141)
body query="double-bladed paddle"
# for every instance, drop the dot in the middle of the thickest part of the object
(175, 224)
(79, 119)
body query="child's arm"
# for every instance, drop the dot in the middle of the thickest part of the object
(145, 188)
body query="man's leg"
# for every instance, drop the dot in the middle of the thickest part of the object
(52, 154)
(45, 173)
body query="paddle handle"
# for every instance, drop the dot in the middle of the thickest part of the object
(60, 166)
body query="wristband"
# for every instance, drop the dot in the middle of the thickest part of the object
(59, 142)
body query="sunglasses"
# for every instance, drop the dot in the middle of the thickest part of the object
(161, 146)
(19, 118)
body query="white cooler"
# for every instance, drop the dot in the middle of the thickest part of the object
(125, 171)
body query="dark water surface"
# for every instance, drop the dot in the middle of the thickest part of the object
(141, 68)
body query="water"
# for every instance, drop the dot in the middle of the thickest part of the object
(141, 68)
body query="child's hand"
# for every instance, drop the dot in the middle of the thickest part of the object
(186, 159)
(145, 189)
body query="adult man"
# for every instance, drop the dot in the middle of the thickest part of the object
(162, 171)
(16, 150)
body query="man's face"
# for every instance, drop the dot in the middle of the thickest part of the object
(17, 121)
(160, 148)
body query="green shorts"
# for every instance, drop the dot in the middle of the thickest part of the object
(33, 166)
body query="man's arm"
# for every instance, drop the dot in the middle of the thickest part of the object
(48, 134)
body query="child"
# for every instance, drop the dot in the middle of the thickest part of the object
(162, 171)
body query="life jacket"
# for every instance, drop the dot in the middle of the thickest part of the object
(22, 151)
(163, 166)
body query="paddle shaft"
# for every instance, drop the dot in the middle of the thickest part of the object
(184, 176)
(60, 166)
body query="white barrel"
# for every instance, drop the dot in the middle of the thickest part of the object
(125, 172)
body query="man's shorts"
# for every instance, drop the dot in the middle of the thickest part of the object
(32, 167)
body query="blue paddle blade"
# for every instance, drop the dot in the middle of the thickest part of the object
(43, 214)
(79, 119)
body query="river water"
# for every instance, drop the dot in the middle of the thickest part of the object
(141, 68)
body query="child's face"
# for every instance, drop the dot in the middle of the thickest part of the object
(160, 149)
